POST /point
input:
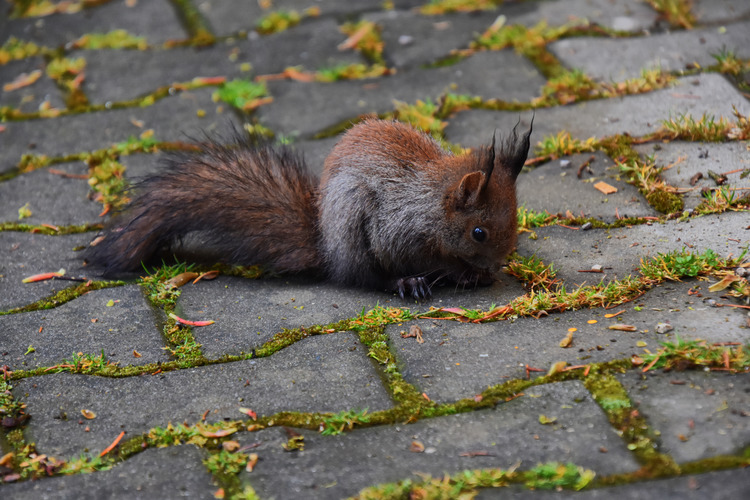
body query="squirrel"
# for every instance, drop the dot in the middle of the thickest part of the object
(393, 209)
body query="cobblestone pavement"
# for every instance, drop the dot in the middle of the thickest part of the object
(611, 358)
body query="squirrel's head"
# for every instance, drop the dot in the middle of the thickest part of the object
(480, 207)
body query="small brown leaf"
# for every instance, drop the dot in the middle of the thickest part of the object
(206, 276)
(725, 283)
(567, 341)
(136, 353)
(250, 413)
(416, 447)
(181, 279)
(557, 367)
(220, 433)
(251, 462)
(416, 332)
(88, 414)
(622, 328)
(230, 446)
(605, 188)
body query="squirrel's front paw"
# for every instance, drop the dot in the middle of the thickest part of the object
(416, 286)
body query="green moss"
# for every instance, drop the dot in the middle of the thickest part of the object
(64, 296)
(195, 24)
(665, 201)
(117, 39)
(245, 95)
(632, 427)
(275, 22)
(14, 49)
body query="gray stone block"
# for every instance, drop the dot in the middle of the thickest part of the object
(619, 251)
(698, 414)
(230, 16)
(620, 15)
(712, 11)
(29, 98)
(87, 325)
(675, 51)
(174, 472)
(459, 360)
(319, 374)
(26, 254)
(636, 115)
(683, 160)
(555, 187)
(174, 118)
(51, 197)
(483, 74)
(249, 312)
(340, 466)
(312, 45)
(412, 39)
(154, 19)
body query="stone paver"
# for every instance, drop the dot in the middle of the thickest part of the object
(704, 410)
(407, 408)
(157, 473)
(709, 94)
(56, 195)
(676, 51)
(116, 322)
(685, 160)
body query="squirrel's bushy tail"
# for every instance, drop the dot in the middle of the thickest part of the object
(251, 205)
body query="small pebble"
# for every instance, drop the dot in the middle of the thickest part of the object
(587, 226)
(405, 39)
(741, 272)
(664, 328)
(564, 163)
(597, 267)
(711, 302)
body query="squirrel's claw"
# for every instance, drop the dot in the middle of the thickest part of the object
(417, 287)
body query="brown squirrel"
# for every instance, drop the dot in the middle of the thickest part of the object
(393, 209)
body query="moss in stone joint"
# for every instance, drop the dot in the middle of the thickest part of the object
(613, 399)
(195, 24)
(50, 231)
(64, 296)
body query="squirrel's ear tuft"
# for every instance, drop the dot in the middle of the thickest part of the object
(515, 150)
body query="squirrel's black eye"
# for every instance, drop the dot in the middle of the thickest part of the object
(479, 234)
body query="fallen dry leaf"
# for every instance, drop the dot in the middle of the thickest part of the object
(181, 279)
(725, 283)
(251, 462)
(567, 341)
(88, 414)
(23, 80)
(206, 276)
(217, 433)
(230, 446)
(416, 447)
(622, 328)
